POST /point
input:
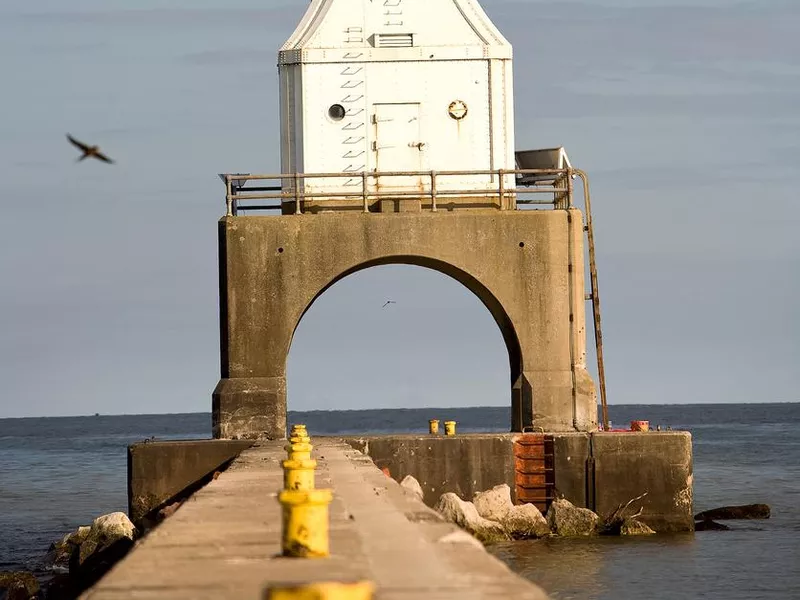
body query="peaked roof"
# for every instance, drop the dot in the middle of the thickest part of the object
(353, 23)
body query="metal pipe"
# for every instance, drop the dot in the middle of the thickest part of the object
(297, 209)
(501, 188)
(598, 334)
(386, 194)
(395, 174)
(228, 198)
(364, 190)
(433, 191)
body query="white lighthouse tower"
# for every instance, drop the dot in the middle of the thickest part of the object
(381, 86)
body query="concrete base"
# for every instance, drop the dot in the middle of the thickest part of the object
(161, 472)
(603, 470)
(599, 471)
(249, 408)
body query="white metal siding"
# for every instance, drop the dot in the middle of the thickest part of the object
(457, 55)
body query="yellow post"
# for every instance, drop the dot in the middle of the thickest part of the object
(433, 426)
(300, 439)
(299, 451)
(299, 430)
(449, 427)
(298, 474)
(305, 522)
(323, 590)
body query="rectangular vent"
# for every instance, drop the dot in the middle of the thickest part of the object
(394, 40)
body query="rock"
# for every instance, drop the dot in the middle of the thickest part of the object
(18, 585)
(710, 526)
(632, 526)
(568, 520)
(465, 515)
(60, 551)
(104, 532)
(494, 504)
(412, 486)
(525, 521)
(746, 511)
(109, 539)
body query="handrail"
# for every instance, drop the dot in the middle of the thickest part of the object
(289, 187)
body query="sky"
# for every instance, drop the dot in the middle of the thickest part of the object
(684, 114)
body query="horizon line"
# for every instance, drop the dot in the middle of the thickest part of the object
(319, 410)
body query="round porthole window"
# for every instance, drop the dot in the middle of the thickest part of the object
(336, 112)
(457, 110)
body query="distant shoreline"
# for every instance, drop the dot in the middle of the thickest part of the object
(374, 410)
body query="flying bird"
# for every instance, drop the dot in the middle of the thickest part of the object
(89, 151)
(388, 302)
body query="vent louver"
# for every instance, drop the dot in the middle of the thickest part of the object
(394, 40)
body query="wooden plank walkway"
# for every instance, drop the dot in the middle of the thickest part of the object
(224, 542)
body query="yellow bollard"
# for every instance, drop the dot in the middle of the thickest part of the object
(300, 451)
(300, 439)
(449, 427)
(299, 429)
(298, 474)
(323, 590)
(305, 522)
(433, 426)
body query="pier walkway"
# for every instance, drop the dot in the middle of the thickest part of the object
(225, 541)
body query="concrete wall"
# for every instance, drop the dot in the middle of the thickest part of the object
(464, 464)
(158, 472)
(525, 266)
(602, 470)
(659, 463)
(598, 471)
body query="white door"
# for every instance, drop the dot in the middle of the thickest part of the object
(397, 145)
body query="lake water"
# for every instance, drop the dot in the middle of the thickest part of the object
(58, 473)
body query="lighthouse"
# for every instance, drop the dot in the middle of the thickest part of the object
(396, 86)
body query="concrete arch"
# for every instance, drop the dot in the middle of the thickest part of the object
(485, 295)
(525, 266)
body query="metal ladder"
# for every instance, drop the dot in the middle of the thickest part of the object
(594, 296)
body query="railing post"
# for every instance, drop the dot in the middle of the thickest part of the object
(502, 189)
(364, 190)
(570, 188)
(433, 191)
(228, 198)
(297, 209)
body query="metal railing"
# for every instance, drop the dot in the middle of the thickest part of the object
(369, 187)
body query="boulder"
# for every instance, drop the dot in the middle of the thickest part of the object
(566, 519)
(105, 532)
(465, 515)
(412, 486)
(18, 585)
(494, 504)
(525, 521)
(633, 526)
(59, 553)
(746, 511)
(109, 539)
(710, 526)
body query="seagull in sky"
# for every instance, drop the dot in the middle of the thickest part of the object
(93, 151)
(388, 302)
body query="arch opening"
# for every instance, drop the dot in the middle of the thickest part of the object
(400, 333)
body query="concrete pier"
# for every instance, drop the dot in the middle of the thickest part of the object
(224, 542)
